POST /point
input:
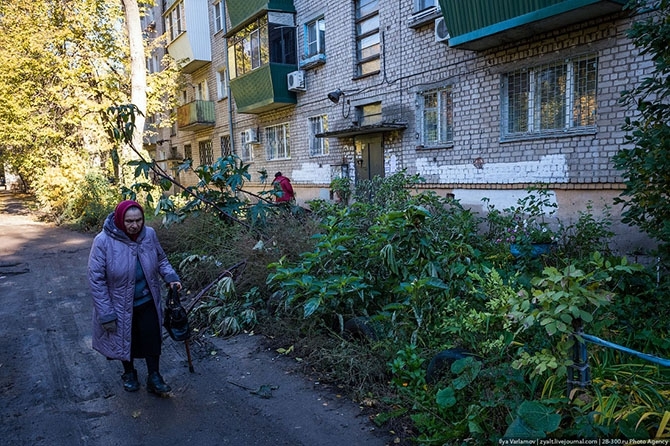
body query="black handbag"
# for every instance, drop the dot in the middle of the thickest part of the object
(175, 319)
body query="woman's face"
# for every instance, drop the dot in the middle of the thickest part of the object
(133, 221)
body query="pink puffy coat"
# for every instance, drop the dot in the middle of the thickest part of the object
(111, 275)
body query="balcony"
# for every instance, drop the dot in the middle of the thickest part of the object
(263, 89)
(196, 115)
(192, 46)
(482, 24)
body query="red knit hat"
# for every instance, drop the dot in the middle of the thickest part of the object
(120, 212)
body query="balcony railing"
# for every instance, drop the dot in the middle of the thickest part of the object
(263, 89)
(196, 115)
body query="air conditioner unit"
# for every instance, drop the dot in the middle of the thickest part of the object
(296, 81)
(441, 32)
(250, 136)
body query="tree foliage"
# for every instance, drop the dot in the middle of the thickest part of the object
(61, 64)
(647, 165)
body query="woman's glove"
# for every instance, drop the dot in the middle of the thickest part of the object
(110, 327)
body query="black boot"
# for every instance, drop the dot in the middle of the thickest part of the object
(155, 384)
(130, 382)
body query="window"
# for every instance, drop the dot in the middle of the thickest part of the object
(550, 98)
(437, 117)
(174, 153)
(247, 153)
(219, 16)
(318, 146)
(282, 44)
(174, 21)
(226, 149)
(277, 142)
(369, 114)
(173, 127)
(188, 153)
(153, 64)
(315, 37)
(222, 82)
(205, 152)
(367, 37)
(420, 5)
(201, 91)
(244, 48)
(260, 43)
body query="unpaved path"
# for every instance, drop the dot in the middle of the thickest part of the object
(55, 390)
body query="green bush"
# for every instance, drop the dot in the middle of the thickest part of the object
(90, 201)
(418, 267)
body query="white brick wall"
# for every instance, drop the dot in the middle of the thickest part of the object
(412, 62)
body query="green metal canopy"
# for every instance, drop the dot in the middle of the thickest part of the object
(482, 24)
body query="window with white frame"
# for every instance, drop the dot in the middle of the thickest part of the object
(277, 142)
(437, 117)
(175, 24)
(205, 152)
(550, 98)
(246, 151)
(153, 63)
(219, 16)
(315, 37)
(368, 43)
(420, 5)
(318, 146)
(202, 91)
(222, 84)
(226, 147)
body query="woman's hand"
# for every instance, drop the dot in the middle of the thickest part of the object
(110, 327)
(176, 285)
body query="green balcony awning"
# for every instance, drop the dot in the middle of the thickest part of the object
(241, 11)
(482, 24)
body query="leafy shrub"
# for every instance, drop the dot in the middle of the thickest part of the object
(419, 267)
(90, 201)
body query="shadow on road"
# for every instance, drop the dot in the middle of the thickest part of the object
(55, 390)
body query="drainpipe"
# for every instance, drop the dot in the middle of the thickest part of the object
(230, 102)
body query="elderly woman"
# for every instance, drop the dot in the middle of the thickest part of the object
(125, 266)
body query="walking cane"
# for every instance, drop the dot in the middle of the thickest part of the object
(188, 355)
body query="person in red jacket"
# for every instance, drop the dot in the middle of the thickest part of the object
(283, 183)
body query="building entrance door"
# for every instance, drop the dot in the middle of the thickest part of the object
(369, 157)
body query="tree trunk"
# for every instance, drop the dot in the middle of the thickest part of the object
(138, 74)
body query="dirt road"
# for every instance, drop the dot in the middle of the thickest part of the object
(55, 390)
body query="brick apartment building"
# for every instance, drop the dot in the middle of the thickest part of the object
(482, 98)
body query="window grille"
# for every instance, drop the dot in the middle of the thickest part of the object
(277, 142)
(550, 98)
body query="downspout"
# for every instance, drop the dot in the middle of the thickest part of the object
(229, 93)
